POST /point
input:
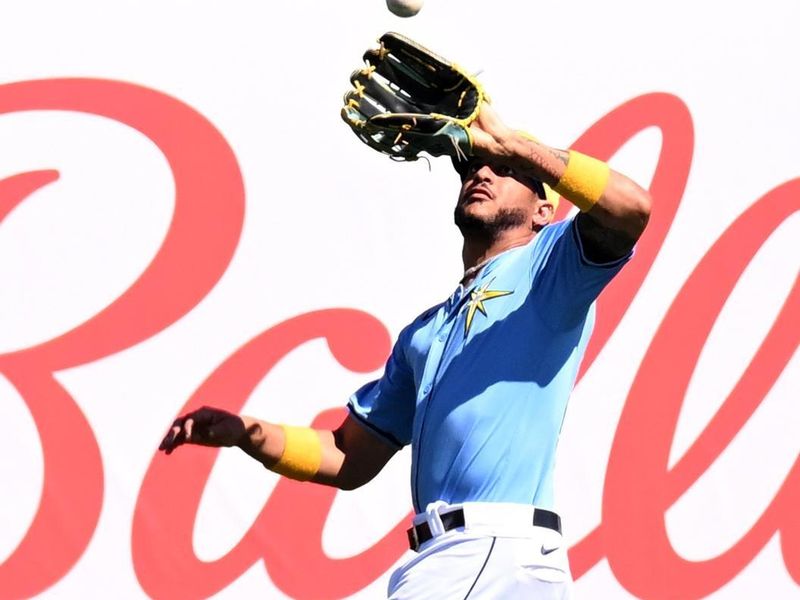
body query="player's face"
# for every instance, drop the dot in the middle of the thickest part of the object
(494, 198)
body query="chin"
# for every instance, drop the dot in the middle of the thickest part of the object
(471, 220)
(490, 222)
(479, 210)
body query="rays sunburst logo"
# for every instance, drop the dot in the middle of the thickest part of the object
(477, 297)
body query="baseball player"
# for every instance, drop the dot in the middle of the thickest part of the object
(477, 385)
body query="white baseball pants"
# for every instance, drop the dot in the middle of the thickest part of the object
(498, 554)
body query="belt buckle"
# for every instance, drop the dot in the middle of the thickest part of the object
(413, 538)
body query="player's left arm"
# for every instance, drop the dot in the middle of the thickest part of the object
(614, 209)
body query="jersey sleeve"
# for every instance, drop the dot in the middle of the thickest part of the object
(386, 406)
(564, 280)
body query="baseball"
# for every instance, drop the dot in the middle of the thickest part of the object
(404, 8)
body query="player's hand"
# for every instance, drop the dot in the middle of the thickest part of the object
(205, 427)
(489, 134)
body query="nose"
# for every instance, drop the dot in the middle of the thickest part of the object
(484, 173)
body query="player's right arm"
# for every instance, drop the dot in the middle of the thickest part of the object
(378, 425)
(346, 458)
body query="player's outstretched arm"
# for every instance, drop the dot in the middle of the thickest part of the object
(347, 457)
(614, 209)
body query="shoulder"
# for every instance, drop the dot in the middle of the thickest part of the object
(553, 232)
(422, 320)
(550, 235)
(547, 241)
(568, 237)
(424, 317)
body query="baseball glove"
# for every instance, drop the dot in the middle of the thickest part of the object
(408, 100)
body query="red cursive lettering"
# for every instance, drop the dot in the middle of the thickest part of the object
(294, 539)
(603, 140)
(287, 533)
(209, 209)
(639, 487)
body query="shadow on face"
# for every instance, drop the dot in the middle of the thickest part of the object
(494, 198)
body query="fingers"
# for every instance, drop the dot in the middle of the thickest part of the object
(205, 427)
(176, 435)
(180, 433)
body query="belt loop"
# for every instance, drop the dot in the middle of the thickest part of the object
(433, 518)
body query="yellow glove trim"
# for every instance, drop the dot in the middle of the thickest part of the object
(302, 453)
(583, 181)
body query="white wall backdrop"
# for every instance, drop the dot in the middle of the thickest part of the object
(175, 181)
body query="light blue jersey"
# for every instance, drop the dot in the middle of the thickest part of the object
(479, 384)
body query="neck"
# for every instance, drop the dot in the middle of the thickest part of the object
(479, 250)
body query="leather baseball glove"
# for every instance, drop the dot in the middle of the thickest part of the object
(408, 100)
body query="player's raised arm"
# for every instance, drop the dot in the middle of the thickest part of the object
(346, 457)
(614, 209)
(448, 115)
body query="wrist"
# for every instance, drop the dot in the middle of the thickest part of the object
(253, 436)
(583, 181)
(500, 145)
(529, 156)
(301, 457)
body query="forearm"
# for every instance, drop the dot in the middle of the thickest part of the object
(622, 206)
(528, 157)
(345, 458)
(266, 443)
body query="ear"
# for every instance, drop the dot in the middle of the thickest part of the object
(543, 214)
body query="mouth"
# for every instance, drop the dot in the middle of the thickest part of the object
(478, 192)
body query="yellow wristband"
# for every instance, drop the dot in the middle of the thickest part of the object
(583, 181)
(302, 453)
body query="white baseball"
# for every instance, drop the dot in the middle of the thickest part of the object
(404, 8)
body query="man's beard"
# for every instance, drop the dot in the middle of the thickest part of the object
(488, 228)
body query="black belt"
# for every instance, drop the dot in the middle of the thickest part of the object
(419, 534)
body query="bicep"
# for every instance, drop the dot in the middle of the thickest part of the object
(352, 455)
(613, 225)
(569, 278)
(601, 244)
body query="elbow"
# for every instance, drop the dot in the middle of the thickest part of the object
(349, 478)
(638, 206)
(625, 207)
(348, 484)
(642, 207)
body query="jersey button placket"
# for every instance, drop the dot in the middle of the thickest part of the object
(434, 362)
